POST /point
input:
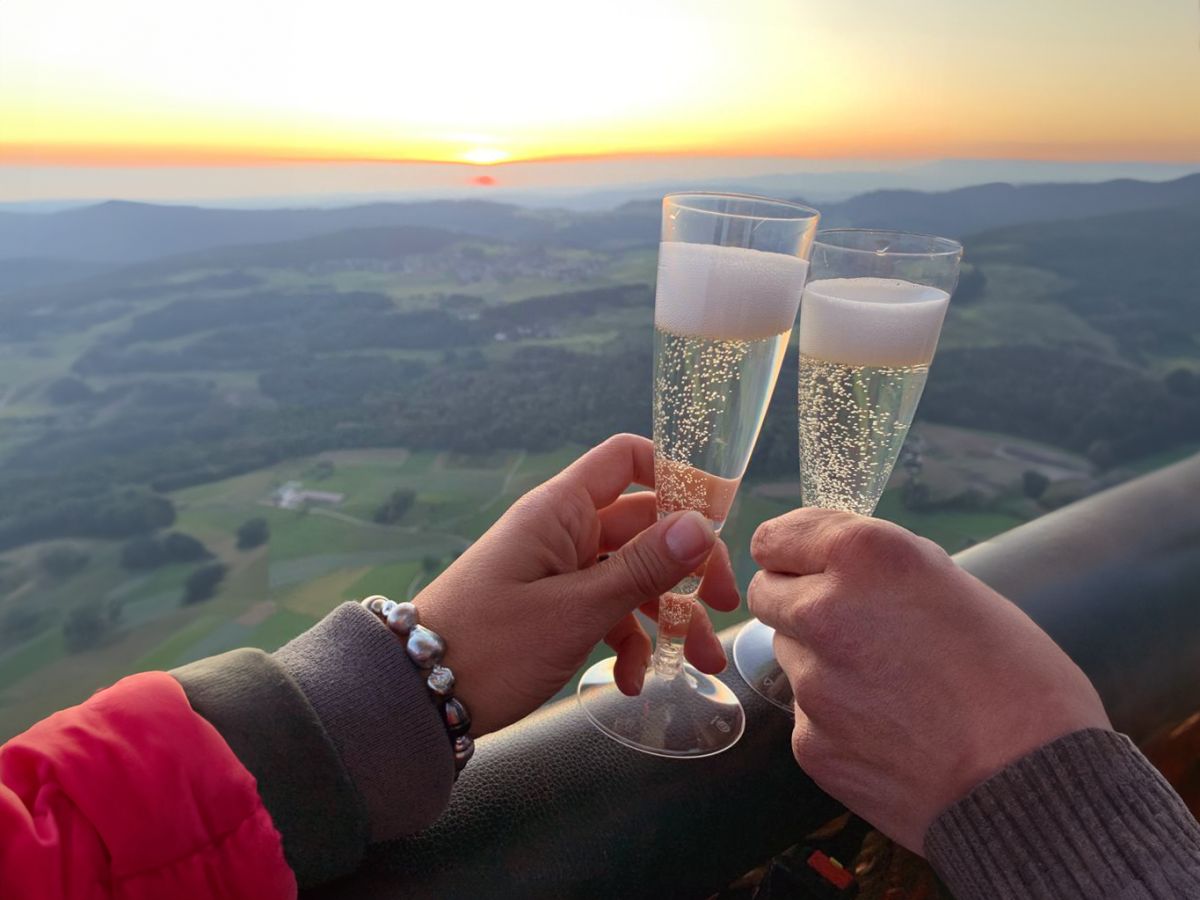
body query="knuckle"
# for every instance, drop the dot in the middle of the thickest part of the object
(577, 505)
(795, 617)
(610, 444)
(933, 552)
(829, 627)
(551, 501)
(854, 541)
(533, 501)
(765, 537)
(619, 443)
(872, 542)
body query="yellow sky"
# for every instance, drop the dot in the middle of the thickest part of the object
(146, 81)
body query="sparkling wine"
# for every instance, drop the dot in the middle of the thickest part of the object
(722, 320)
(853, 421)
(865, 349)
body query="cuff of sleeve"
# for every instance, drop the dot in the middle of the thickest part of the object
(265, 719)
(1084, 816)
(379, 715)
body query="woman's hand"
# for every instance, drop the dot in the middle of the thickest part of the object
(523, 607)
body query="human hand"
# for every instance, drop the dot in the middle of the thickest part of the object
(523, 607)
(914, 681)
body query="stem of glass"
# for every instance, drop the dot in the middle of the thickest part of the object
(674, 616)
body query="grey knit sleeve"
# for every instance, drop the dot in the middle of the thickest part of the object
(1086, 816)
(380, 716)
(340, 733)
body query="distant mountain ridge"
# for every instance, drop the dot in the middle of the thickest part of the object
(123, 232)
(598, 188)
(968, 210)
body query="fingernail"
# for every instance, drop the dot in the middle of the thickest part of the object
(641, 682)
(689, 537)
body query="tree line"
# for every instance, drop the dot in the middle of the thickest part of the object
(104, 470)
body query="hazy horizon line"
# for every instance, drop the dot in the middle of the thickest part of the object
(822, 178)
(117, 157)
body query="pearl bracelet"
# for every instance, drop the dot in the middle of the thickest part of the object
(425, 649)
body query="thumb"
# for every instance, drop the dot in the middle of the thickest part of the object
(647, 566)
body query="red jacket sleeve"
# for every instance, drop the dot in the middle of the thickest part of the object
(133, 796)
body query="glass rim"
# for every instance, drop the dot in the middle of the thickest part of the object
(939, 246)
(678, 198)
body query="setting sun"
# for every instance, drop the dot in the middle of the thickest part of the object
(485, 156)
(300, 80)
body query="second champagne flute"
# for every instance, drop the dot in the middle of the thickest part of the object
(869, 325)
(731, 270)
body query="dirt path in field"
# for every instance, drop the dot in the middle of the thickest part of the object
(443, 531)
(504, 485)
(340, 516)
(487, 504)
(367, 523)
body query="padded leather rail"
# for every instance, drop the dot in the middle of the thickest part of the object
(550, 808)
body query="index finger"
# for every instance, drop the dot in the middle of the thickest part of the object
(718, 587)
(802, 541)
(604, 472)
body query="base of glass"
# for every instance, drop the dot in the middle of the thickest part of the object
(754, 656)
(689, 716)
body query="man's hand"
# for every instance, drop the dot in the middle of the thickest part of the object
(914, 681)
(524, 606)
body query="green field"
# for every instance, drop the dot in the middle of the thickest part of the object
(953, 530)
(318, 558)
(276, 631)
(313, 561)
(170, 652)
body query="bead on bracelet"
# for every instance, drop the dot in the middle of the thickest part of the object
(426, 649)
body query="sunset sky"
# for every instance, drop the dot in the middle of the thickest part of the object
(229, 82)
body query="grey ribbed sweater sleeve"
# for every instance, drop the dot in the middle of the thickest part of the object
(1086, 816)
(340, 733)
(380, 716)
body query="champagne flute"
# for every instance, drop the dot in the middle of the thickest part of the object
(731, 270)
(869, 325)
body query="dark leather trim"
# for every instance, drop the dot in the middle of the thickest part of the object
(1115, 580)
(550, 808)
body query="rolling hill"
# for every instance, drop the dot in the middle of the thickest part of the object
(969, 210)
(119, 231)
(122, 232)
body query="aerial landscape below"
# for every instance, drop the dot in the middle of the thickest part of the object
(223, 422)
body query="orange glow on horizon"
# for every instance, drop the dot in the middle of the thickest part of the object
(297, 82)
(142, 156)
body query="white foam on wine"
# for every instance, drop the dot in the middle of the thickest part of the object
(729, 293)
(871, 321)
